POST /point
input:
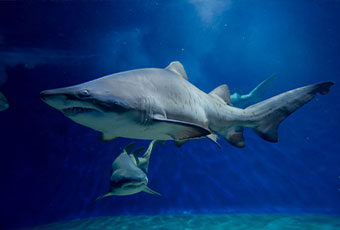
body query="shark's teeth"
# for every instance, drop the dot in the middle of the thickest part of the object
(77, 110)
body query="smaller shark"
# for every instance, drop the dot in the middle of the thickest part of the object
(127, 176)
(3, 102)
(242, 101)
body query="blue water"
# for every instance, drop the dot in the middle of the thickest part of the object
(52, 169)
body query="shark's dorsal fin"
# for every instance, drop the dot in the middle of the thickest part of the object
(222, 92)
(149, 190)
(177, 68)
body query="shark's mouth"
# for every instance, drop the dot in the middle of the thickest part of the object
(134, 185)
(77, 110)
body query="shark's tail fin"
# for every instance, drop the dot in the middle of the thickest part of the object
(261, 89)
(265, 117)
(272, 112)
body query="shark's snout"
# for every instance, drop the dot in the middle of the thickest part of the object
(53, 98)
(49, 94)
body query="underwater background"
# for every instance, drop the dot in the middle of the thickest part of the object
(53, 169)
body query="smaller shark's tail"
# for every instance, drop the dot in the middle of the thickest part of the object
(261, 89)
(265, 117)
(146, 156)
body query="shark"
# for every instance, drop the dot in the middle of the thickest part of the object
(3, 102)
(244, 100)
(157, 103)
(127, 176)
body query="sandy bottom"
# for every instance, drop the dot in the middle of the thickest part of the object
(177, 222)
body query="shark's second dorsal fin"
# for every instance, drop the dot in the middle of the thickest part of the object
(222, 92)
(177, 68)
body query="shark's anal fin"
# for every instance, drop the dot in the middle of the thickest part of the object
(223, 93)
(106, 138)
(235, 137)
(180, 130)
(149, 190)
(177, 68)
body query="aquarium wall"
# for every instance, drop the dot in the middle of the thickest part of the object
(53, 169)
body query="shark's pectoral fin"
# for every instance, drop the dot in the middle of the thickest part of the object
(106, 137)
(149, 190)
(105, 195)
(180, 130)
(223, 93)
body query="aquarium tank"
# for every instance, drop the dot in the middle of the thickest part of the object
(183, 114)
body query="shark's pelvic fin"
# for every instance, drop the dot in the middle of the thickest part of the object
(214, 138)
(149, 190)
(222, 92)
(181, 130)
(107, 138)
(177, 68)
(180, 143)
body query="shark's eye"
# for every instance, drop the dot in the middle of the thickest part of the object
(84, 93)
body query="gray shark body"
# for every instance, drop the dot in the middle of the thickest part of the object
(3, 102)
(162, 104)
(244, 100)
(127, 176)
